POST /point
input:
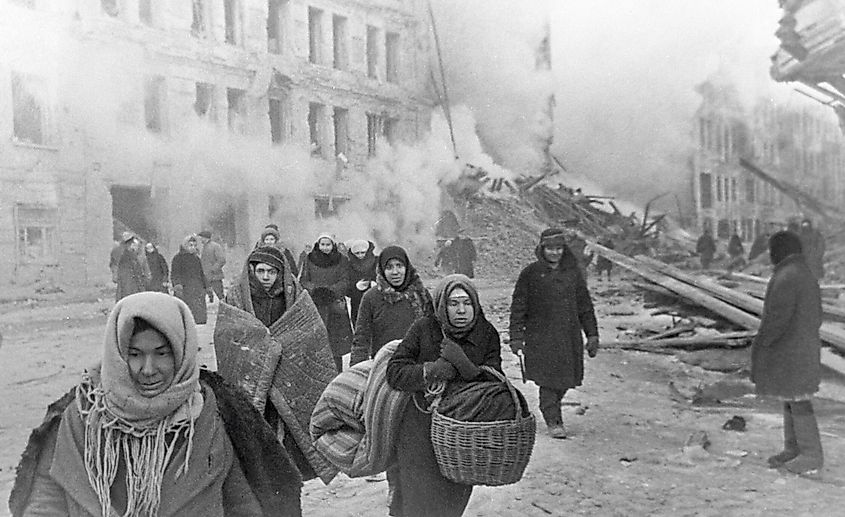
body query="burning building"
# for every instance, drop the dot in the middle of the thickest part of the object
(799, 148)
(169, 117)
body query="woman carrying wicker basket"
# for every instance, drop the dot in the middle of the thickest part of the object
(451, 344)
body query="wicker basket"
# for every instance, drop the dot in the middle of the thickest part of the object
(484, 453)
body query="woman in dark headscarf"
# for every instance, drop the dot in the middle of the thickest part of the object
(159, 272)
(362, 273)
(451, 343)
(188, 279)
(324, 276)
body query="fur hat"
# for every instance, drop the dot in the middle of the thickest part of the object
(359, 245)
(268, 255)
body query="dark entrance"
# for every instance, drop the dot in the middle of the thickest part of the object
(132, 210)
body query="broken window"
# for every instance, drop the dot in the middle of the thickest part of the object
(341, 131)
(706, 190)
(204, 100)
(315, 128)
(145, 12)
(278, 117)
(110, 7)
(391, 57)
(315, 35)
(276, 16)
(29, 109)
(154, 103)
(231, 15)
(199, 22)
(372, 52)
(36, 230)
(341, 53)
(372, 134)
(390, 127)
(236, 101)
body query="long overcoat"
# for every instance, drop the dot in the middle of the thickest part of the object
(186, 270)
(327, 286)
(550, 309)
(785, 358)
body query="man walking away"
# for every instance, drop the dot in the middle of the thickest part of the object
(213, 259)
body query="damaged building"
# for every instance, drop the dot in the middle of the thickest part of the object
(799, 147)
(169, 117)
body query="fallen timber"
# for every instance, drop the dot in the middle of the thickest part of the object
(729, 339)
(748, 318)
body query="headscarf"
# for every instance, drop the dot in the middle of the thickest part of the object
(359, 245)
(412, 288)
(441, 297)
(183, 247)
(120, 423)
(320, 259)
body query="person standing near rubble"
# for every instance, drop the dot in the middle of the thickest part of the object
(159, 272)
(362, 273)
(324, 277)
(550, 309)
(812, 242)
(188, 279)
(785, 355)
(129, 272)
(465, 255)
(213, 259)
(736, 251)
(603, 263)
(706, 248)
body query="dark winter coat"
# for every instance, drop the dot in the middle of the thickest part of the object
(381, 321)
(705, 245)
(327, 286)
(735, 247)
(785, 358)
(759, 246)
(360, 269)
(159, 272)
(550, 308)
(186, 270)
(424, 490)
(132, 276)
(465, 256)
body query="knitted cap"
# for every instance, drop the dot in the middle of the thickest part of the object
(268, 255)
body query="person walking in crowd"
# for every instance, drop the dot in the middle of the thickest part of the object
(736, 252)
(188, 279)
(324, 276)
(465, 256)
(146, 433)
(303, 256)
(785, 354)
(213, 258)
(452, 343)
(603, 263)
(270, 236)
(812, 242)
(446, 259)
(362, 273)
(265, 287)
(130, 273)
(550, 309)
(159, 272)
(387, 312)
(706, 248)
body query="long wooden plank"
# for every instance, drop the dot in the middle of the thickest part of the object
(727, 338)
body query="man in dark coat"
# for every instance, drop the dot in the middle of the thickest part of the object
(706, 248)
(129, 273)
(813, 246)
(465, 256)
(213, 259)
(550, 309)
(785, 361)
(736, 251)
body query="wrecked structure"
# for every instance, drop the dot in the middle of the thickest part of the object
(168, 117)
(798, 146)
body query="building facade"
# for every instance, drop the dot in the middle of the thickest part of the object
(165, 117)
(800, 146)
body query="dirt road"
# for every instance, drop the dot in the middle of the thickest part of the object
(626, 452)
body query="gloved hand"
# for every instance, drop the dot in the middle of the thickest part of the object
(592, 345)
(439, 370)
(452, 352)
(517, 345)
(177, 290)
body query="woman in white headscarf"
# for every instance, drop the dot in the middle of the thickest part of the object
(142, 435)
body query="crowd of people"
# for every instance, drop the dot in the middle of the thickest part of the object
(146, 432)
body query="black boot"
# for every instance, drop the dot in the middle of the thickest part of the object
(790, 444)
(810, 458)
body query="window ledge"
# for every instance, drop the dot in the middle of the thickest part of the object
(30, 145)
